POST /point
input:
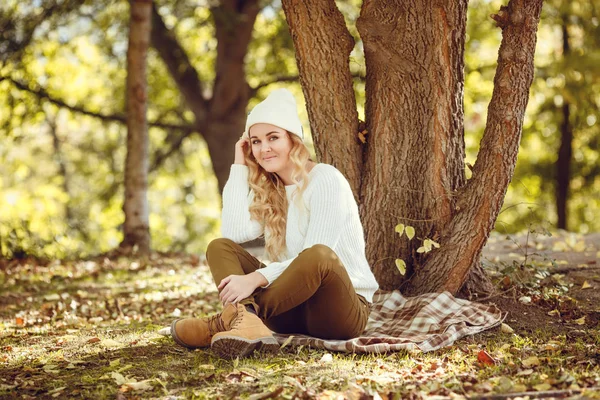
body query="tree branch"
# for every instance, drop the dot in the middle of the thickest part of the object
(41, 93)
(15, 39)
(179, 66)
(289, 78)
(276, 79)
(481, 199)
(175, 142)
(234, 23)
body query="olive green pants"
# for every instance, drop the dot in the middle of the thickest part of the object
(313, 296)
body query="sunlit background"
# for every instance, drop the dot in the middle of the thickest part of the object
(61, 170)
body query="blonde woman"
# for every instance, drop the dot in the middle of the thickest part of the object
(319, 282)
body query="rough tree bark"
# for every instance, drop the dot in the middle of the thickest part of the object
(136, 226)
(565, 151)
(411, 169)
(322, 59)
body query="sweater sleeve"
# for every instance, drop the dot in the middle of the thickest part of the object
(329, 211)
(236, 223)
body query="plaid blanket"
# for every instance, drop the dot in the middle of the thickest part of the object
(427, 322)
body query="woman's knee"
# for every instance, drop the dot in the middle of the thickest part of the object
(217, 245)
(321, 256)
(321, 252)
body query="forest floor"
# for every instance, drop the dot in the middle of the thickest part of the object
(88, 329)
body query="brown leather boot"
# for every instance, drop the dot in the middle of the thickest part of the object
(247, 333)
(197, 332)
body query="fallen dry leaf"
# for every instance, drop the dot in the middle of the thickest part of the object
(532, 361)
(505, 328)
(119, 378)
(525, 299)
(327, 357)
(579, 321)
(110, 343)
(141, 385)
(525, 372)
(542, 387)
(94, 340)
(586, 285)
(484, 358)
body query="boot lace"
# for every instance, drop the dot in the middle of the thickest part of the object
(239, 316)
(215, 324)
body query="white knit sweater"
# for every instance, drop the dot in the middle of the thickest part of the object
(330, 217)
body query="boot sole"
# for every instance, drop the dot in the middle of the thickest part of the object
(230, 347)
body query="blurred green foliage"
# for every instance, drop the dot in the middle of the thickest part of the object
(530, 199)
(61, 171)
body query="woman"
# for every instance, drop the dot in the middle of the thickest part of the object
(319, 282)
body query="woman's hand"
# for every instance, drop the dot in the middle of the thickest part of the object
(236, 288)
(240, 149)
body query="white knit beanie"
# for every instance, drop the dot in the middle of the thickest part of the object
(279, 109)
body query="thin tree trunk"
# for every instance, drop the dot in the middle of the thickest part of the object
(565, 151)
(136, 226)
(62, 168)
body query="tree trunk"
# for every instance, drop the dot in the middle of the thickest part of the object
(413, 161)
(220, 119)
(322, 59)
(565, 151)
(136, 226)
(479, 201)
(414, 110)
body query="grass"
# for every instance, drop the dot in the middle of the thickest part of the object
(87, 329)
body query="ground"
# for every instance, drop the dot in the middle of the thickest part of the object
(88, 329)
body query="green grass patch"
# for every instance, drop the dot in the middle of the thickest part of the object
(88, 329)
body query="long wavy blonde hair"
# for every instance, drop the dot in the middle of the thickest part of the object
(270, 201)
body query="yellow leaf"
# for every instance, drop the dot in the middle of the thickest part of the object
(421, 249)
(435, 244)
(119, 378)
(580, 321)
(410, 232)
(400, 229)
(531, 362)
(586, 285)
(525, 372)
(542, 387)
(401, 265)
(115, 363)
(110, 343)
(142, 385)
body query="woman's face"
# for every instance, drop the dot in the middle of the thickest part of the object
(271, 147)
